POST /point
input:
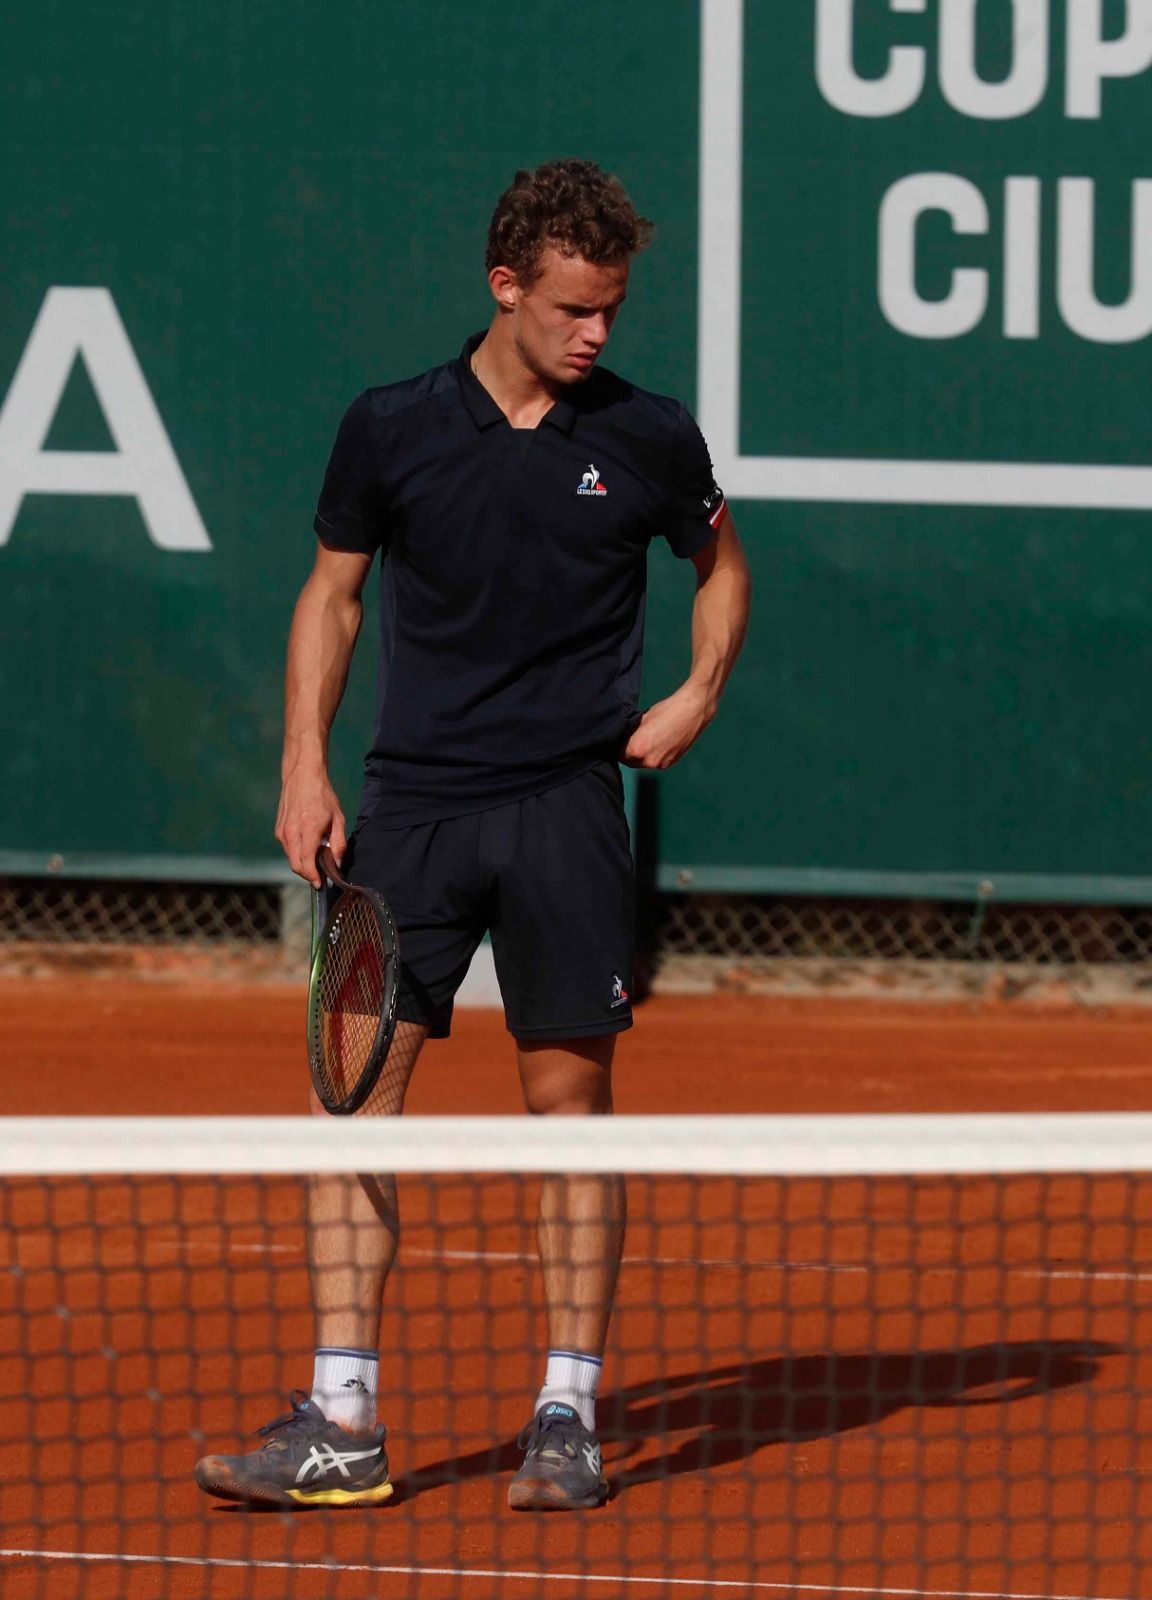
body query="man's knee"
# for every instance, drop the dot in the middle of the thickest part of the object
(567, 1079)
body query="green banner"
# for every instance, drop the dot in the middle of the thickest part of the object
(903, 271)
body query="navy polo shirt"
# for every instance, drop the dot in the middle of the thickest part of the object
(512, 579)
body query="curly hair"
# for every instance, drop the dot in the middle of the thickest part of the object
(573, 205)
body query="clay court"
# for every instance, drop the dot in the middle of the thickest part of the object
(820, 1387)
(102, 1047)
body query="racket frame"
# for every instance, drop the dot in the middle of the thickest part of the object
(325, 904)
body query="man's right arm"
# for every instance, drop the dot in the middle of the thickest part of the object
(324, 629)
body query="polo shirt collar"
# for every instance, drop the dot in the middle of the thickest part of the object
(562, 416)
(483, 409)
(477, 401)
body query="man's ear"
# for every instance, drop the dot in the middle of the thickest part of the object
(505, 288)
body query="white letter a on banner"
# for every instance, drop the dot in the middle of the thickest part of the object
(85, 322)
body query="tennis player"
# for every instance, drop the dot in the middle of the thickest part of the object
(511, 496)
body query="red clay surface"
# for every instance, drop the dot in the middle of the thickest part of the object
(100, 1046)
(818, 1388)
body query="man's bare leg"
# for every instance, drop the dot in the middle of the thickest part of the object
(353, 1229)
(581, 1236)
(581, 1228)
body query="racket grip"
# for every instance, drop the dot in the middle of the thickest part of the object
(326, 865)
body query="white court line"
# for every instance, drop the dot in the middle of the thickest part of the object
(745, 1586)
(1073, 1275)
(1087, 1274)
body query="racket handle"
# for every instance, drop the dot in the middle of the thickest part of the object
(326, 866)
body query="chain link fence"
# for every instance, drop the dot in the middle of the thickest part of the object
(160, 930)
(696, 943)
(902, 949)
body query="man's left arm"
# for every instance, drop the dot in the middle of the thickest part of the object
(719, 621)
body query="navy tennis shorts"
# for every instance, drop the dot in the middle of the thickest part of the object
(550, 878)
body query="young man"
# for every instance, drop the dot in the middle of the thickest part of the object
(512, 495)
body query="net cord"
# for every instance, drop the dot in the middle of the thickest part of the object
(752, 1146)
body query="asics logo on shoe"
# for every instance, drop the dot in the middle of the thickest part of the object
(558, 1411)
(322, 1459)
(592, 1457)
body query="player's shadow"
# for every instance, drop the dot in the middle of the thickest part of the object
(729, 1413)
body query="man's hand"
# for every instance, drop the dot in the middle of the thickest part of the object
(309, 813)
(669, 728)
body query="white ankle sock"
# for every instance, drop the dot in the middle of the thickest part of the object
(572, 1380)
(344, 1387)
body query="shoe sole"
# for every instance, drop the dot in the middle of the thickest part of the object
(270, 1494)
(343, 1497)
(542, 1494)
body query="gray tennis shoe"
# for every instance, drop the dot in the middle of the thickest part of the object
(307, 1461)
(562, 1470)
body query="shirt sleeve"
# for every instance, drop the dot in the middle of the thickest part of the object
(698, 503)
(352, 511)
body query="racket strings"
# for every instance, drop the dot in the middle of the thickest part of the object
(353, 982)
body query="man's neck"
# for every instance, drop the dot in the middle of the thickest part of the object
(522, 395)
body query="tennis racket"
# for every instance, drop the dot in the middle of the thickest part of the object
(353, 988)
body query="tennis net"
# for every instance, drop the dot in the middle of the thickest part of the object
(882, 1356)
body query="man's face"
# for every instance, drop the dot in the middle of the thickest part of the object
(564, 316)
